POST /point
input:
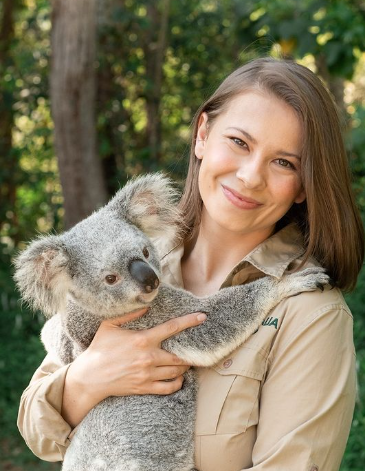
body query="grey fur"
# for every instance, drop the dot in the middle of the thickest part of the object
(66, 274)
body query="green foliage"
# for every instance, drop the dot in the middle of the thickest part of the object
(355, 451)
(29, 169)
(356, 147)
(333, 30)
(21, 353)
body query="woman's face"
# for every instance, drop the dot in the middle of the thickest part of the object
(250, 170)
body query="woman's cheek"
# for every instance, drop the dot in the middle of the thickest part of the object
(288, 189)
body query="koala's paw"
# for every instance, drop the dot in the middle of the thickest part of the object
(308, 279)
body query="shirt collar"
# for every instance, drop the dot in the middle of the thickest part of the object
(271, 257)
(275, 254)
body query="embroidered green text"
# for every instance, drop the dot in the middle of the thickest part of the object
(271, 321)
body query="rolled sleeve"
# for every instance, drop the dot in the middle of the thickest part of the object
(39, 420)
(308, 396)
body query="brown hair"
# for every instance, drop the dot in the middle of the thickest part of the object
(328, 219)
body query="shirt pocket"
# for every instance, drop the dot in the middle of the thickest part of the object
(229, 393)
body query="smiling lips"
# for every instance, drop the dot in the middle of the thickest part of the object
(238, 200)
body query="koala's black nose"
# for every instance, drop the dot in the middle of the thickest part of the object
(144, 274)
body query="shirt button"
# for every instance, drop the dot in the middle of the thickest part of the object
(314, 468)
(227, 363)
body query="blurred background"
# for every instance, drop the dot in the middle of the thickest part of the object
(95, 91)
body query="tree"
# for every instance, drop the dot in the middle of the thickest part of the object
(332, 31)
(154, 46)
(8, 159)
(73, 91)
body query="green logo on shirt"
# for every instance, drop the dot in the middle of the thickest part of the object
(271, 321)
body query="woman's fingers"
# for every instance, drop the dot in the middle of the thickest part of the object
(174, 326)
(125, 362)
(167, 387)
(163, 331)
(163, 373)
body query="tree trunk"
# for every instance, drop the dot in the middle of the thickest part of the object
(73, 91)
(111, 34)
(154, 51)
(8, 160)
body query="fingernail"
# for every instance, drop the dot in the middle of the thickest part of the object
(201, 317)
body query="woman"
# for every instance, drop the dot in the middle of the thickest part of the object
(268, 191)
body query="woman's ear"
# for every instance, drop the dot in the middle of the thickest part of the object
(201, 135)
(301, 196)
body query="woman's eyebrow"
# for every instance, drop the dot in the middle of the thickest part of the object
(288, 154)
(252, 139)
(245, 133)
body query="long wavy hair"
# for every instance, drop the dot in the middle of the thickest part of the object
(328, 219)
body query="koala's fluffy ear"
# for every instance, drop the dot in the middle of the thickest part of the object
(42, 274)
(149, 202)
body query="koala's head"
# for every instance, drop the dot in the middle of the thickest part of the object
(107, 262)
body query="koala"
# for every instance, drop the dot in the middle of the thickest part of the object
(107, 265)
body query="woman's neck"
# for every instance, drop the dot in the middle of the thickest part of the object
(210, 257)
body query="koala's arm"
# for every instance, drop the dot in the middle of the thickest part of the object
(56, 341)
(69, 333)
(233, 314)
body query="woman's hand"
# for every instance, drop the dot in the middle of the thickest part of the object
(121, 362)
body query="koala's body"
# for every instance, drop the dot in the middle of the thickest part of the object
(106, 266)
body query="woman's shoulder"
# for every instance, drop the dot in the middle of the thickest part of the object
(311, 319)
(306, 306)
(317, 319)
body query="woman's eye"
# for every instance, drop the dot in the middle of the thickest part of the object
(239, 142)
(285, 163)
(111, 279)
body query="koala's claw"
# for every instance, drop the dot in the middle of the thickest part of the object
(308, 279)
(320, 286)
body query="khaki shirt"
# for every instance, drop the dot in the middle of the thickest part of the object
(283, 401)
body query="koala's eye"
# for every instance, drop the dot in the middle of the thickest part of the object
(111, 279)
(146, 252)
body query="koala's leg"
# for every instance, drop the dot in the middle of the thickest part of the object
(233, 314)
(56, 341)
(68, 334)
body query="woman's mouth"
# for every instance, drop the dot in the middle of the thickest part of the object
(238, 200)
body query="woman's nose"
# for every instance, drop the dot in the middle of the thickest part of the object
(251, 172)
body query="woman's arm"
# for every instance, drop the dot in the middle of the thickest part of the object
(118, 362)
(308, 396)
(284, 400)
(39, 418)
